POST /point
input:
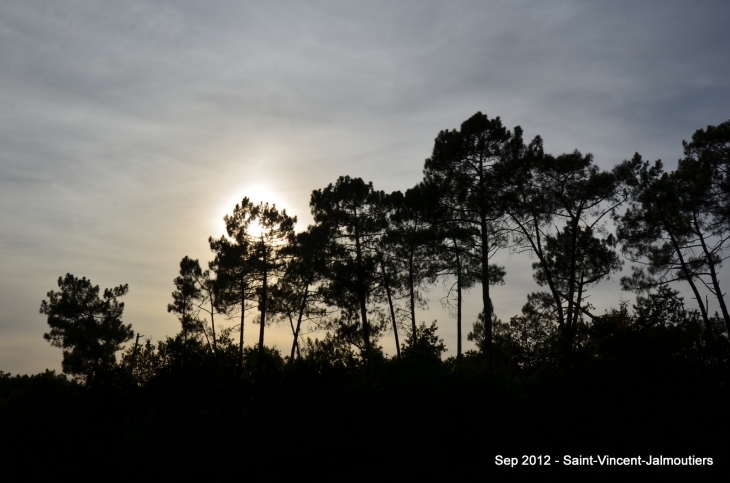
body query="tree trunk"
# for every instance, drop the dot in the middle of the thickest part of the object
(361, 288)
(295, 344)
(212, 324)
(134, 352)
(263, 307)
(243, 316)
(485, 290)
(571, 279)
(536, 244)
(713, 275)
(686, 271)
(413, 293)
(390, 303)
(458, 305)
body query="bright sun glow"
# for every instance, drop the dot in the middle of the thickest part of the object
(257, 193)
(254, 229)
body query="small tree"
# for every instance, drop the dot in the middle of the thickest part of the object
(406, 248)
(276, 228)
(295, 296)
(234, 264)
(424, 346)
(88, 328)
(186, 296)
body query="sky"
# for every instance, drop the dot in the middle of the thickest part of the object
(129, 129)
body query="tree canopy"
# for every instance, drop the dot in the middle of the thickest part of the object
(87, 327)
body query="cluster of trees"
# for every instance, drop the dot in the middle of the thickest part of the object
(364, 267)
(555, 379)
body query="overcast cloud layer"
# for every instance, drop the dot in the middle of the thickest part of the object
(128, 130)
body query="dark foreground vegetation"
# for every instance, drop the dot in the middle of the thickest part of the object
(646, 379)
(338, 417)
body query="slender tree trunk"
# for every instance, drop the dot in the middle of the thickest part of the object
(486, 299)
(713, 275)
(390, 304)
(184, 323)
(243, 316)
(263, 307)
(295, 344)
(579, 299)
(212, 324)
(686, 271)
(571, 279)
(134, 352)
(361, 288)
(413, 293)
(458, 304)
(573, 326)
(294, 333)
(572, 315)
(207, 339)
(536, 244)
(485, 289)
(692, 285)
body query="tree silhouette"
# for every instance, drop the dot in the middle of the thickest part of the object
(544, 189)
(656, 234)
(235, 264)
(463, 164)
(408, 242)
(581, 258)
(702, 178)
(355, 215)
(276, 229)
(710, 148)
(186, 296)
(295, 297)
(87, 327)
(195, 293)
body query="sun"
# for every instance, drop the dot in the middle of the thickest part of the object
(255, 230)
(256, 193)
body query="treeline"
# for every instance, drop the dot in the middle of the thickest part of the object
(364, 268)
(362, 271)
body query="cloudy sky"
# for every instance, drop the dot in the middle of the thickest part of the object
(128, 129)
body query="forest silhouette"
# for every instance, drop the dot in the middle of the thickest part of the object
(650, 378)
